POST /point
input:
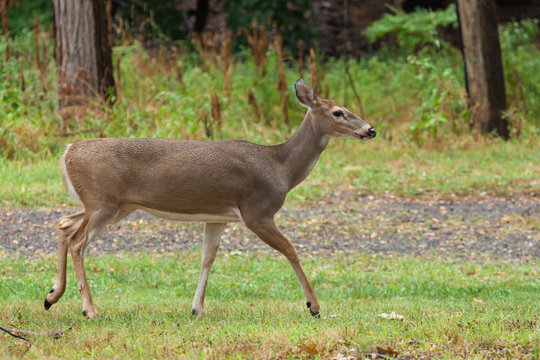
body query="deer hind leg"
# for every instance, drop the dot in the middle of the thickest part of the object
(212, 238)
(92, 224)
(67, 227)
(267, 231)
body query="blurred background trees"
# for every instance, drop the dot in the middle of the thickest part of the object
(82, 53)
(398, 60)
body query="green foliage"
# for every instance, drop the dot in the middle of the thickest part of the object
(21, 16)
(288, 17)
(26, 107)
(158, 18)
(412, 29)
(519, 34)
(521, 61)
(442, 107)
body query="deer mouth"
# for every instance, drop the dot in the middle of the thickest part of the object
(366, 135)
(363, 137)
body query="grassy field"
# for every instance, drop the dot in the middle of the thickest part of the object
(369, 168)
(255, 308)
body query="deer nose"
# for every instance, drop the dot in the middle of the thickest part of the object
(372, 132)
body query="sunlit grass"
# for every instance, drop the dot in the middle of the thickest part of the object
(255, 308)
(377, 167)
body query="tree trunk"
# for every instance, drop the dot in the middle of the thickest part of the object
(5, 25)
(483, 64)
(82, 52)
(201, 14)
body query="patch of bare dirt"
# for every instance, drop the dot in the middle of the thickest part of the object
(479, 230)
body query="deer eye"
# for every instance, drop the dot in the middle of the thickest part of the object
(337, 113)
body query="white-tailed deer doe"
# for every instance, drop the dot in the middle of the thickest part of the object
(215, 182)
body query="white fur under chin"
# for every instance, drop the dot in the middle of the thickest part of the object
(67, 180)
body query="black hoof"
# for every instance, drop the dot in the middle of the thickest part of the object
(51, 291)
(315, 314)
(84, 313)
(193, 312)
(47, 304)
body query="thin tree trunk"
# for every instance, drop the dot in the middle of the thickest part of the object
(82, 52)
(201, 14)
(483, 64)
(5, 25)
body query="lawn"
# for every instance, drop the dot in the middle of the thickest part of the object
(255, 309)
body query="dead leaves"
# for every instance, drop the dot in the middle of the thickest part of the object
(312, 350)
(388, 351)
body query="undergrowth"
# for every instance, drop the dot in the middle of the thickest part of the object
(417, 103)
(161, 93)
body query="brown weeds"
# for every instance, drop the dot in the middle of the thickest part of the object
(178, 70)
(313, 70)
(227, 80)
(39, 63)
(108, 11)
(255, 105)
(282, 80)
(258, 42)
(208, 128)
(300, 58)
(216, 114)
(118, 79)
(226, 50)
(214, 49)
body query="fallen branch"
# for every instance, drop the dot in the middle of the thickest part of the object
(19, 333)
(15, 335)
(55, 334)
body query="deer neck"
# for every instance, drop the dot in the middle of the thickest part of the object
(300, 153)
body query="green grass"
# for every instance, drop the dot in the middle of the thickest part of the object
(377, 167)
(255, 309)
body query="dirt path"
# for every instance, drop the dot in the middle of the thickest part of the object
(506, 230)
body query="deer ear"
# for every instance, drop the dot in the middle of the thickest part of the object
(305, 94)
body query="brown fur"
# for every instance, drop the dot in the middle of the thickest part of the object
(211, 181)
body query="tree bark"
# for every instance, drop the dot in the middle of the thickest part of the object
(483, 65)
(82, 52)
(201, 14)
(5, 25)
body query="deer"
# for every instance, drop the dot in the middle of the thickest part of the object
(214, 182)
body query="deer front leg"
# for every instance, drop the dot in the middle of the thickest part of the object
(267, 231)
(212, 238)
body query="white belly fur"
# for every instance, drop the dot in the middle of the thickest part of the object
(207, 218)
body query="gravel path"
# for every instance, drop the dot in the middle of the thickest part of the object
(506, 230)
